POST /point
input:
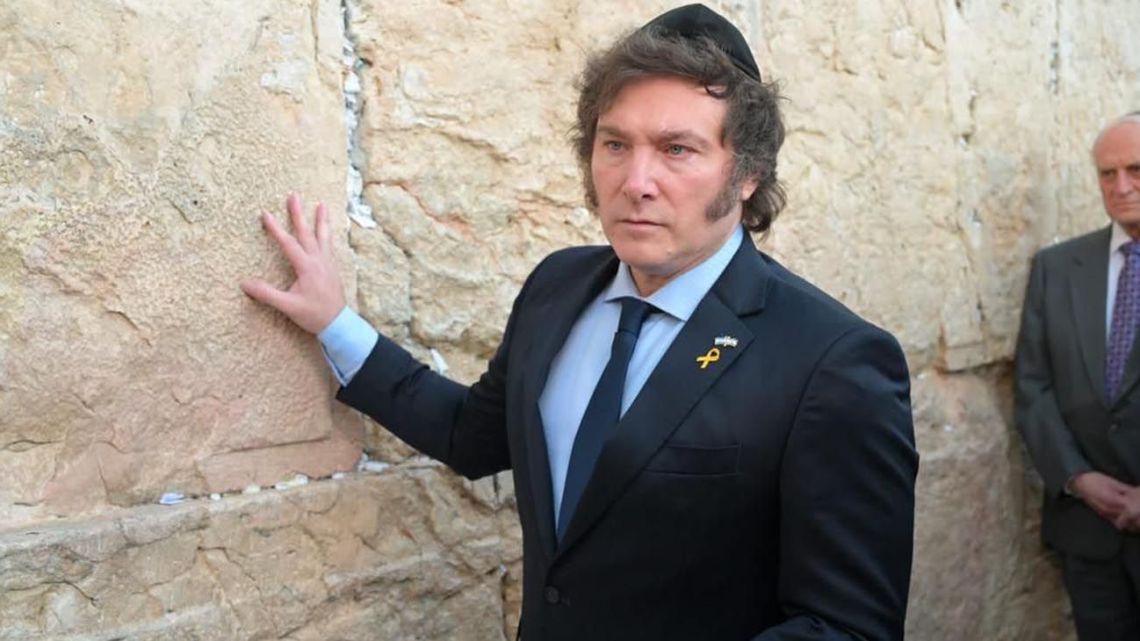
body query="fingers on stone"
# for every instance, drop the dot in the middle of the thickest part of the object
(293, 250)
(322, 225)
(263, 292)
(300, 226)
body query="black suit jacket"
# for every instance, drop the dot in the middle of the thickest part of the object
(769, 496)
(1061, 409)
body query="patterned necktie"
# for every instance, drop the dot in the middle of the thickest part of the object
(604, 410)
(1125, 316)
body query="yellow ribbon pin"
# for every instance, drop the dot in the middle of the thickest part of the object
(712, 356)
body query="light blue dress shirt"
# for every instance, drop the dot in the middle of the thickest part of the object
(347, 342)
(576, 369)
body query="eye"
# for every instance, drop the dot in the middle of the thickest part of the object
(613, 145)
(676, 150)
(1134, 170)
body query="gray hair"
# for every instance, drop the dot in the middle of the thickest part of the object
(1130, 117)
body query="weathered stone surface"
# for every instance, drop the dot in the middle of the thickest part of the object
(933, 147)
(140, 143)
(407, 554)
(980, 571)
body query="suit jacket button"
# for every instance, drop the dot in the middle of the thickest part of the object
(1113, 427)
(551, 594)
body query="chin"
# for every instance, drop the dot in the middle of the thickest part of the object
(1128, 217)
(632, 255)
(643, 259)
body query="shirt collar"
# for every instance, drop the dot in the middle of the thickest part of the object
(680, 296)
(1119, 237)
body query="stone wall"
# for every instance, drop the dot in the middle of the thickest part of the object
(140, 141)
(933, 147)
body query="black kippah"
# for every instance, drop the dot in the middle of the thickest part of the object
(696, 20)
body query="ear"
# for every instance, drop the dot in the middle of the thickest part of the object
(747, 188)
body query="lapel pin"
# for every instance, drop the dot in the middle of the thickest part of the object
(712, 356)
(725, 341)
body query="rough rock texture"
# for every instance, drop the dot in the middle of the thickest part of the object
(140, 142)
(933, 147)
(979, 571)
(413, 553)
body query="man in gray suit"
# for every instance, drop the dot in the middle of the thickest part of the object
(1078, 398)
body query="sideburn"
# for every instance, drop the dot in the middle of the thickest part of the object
(727, 198)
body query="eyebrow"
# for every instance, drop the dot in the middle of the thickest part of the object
(665, 137)
(1132, 166)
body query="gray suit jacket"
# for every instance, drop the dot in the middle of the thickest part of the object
(1061, 409)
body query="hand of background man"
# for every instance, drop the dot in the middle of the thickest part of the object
(1129, 517)
(316, 296)
(1102, 493)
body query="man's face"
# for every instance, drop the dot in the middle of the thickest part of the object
(658, 165)
(1118, 167)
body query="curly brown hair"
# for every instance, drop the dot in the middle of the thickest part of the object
(753, 126)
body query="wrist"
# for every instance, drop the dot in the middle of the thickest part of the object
(1076, 484)
(1068, 488)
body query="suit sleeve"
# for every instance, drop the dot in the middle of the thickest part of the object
(1055, 453)
(847, 497)
(464, 427)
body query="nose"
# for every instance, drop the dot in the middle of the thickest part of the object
(641, 176)
(1122, 182)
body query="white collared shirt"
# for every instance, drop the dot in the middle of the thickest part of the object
(1115, 266)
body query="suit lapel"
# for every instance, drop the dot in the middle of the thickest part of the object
(1088, 287)
(561, 308)
(1131, 372)
(675, 386)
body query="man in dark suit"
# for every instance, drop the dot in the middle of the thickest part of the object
(1078, 403)
(704, 446)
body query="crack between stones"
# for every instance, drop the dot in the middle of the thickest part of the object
(220, 583)
(315, 26)
(358, 211)
(1055, 51)
(23, 445)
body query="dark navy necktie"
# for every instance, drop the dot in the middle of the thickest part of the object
(604, 410)
(1125, 316)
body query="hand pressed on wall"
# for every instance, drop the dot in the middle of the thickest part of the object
(314, 299)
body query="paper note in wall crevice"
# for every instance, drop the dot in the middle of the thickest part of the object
(438, 364)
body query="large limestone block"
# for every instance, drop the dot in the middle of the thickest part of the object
(404, 555)
(140, 142)
(980, 570)
(934, 147)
